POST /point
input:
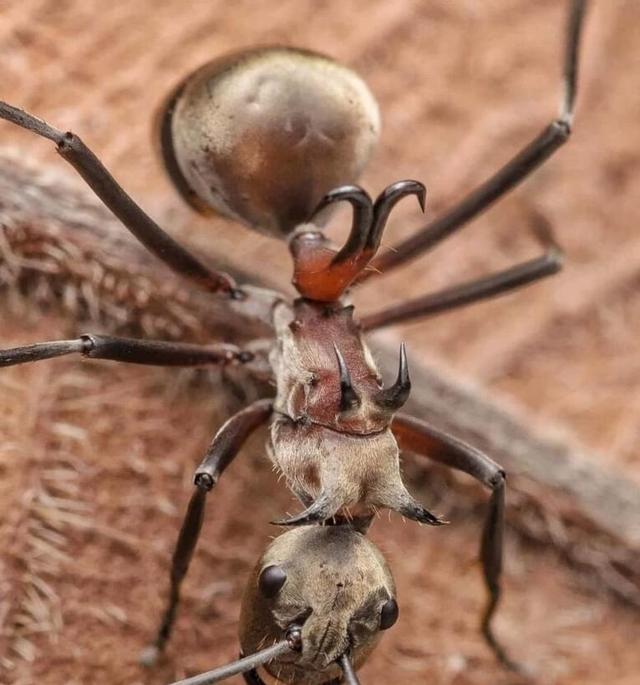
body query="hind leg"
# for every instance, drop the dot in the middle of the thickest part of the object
(421, 438)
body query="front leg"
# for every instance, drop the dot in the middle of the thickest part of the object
(421, 438)
(514, 172)
(487, 287)
(222, 451)
(71, 148)
(129, 350)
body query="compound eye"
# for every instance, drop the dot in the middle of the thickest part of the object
(388, 614)
(271, 580)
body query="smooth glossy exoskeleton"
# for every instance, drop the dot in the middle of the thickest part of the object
(327, 586)
(264, 136)
(261, 135)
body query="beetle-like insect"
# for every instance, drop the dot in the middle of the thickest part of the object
(263, 136)
(313, 608)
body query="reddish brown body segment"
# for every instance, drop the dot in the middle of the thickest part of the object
(316, 275)
(314, 331)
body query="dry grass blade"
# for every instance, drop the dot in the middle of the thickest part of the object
(44, 505)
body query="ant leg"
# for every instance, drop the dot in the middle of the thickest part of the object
(151, 352)
(222, 451)
(463, 294)
(421, 438)
(505, 179)
(161, 244)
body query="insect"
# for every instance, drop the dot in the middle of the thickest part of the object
(275, 137)
(329, 592)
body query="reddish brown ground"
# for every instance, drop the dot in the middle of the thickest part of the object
(461, 86)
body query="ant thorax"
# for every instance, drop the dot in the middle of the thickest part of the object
(308, 373)
(331, 435)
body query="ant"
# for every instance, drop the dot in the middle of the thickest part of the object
(274, 138)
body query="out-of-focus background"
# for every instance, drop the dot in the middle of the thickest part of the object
(462, 85)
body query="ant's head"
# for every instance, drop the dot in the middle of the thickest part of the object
(333, 584)
(261, 135)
